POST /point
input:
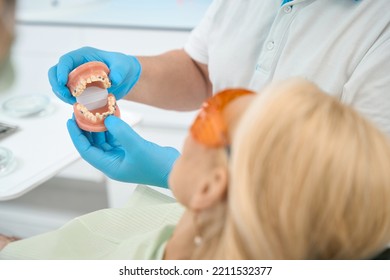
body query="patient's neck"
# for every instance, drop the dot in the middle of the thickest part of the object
(208, 225)
(181, 245)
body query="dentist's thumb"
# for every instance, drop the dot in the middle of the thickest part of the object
(123, 132)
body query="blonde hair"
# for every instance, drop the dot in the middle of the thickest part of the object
(310, 179)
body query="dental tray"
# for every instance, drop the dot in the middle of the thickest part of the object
(25, 105)
(7, 162)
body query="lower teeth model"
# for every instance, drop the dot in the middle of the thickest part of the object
(89, 83)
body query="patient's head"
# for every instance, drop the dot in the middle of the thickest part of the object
(308, 179)
(199, 177)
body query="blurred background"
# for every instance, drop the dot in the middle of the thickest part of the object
(33, 201)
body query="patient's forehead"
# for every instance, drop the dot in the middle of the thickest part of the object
(235, 110)
(194, 149)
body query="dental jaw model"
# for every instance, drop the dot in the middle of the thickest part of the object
(89, 83)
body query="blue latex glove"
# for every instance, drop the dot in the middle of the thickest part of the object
(124, 71)
(122, 154)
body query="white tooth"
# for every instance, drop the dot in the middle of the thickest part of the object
(92, 117)
(93, 78)
(89, 80)
(99, 116)
(111, 100)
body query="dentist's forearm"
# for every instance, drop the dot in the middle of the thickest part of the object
(171, 81)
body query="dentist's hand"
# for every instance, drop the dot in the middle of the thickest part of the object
(124, 71)
(123, 155)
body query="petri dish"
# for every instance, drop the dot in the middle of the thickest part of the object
(26, 105)
(7, 161)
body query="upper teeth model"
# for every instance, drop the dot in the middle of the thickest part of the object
(89, 83)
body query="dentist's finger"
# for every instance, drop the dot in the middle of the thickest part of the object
(100, 141)
(82, 144)
(59, 90)
(123, 133)
(112, 140)
(70, 61)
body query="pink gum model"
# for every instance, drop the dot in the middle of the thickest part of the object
(92, 74)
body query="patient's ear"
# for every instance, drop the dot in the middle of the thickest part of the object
(212, 190)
